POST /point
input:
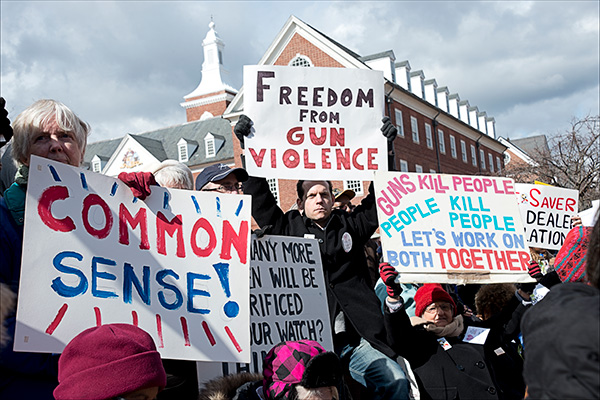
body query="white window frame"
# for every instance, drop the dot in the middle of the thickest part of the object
(183, 152)
(441, 141)
(356, 186)
(491, 162)
(453, 146)
(428, 136)
(209, 145)
(498, 164)
(403, 166)
(97, 166)
(414, 128)
(473, 155)
(399, 122)
(482, 158)
(463, 150)
(300, 60)
(418, 168)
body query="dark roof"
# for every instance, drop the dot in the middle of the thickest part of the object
(532, 145)
(162, 143)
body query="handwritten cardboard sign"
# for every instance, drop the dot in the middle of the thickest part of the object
(176, 265)
(288, 299)
(451, 228)
(546, 212)
(314, 122)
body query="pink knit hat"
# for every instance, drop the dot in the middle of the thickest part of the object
(430, 293)
(107, 361)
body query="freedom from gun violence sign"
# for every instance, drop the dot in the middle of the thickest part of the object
(451, 228)
(175, 265)
(314, 122)
(288, 299)
(546, 212)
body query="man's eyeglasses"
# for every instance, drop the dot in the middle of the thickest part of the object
(226, 188)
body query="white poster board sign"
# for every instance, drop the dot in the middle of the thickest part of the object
(546, 212)
(176, 265)
(451, 228)
(288, 299)
(314, 122)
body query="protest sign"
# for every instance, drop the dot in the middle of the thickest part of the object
(546, 212)
(451, 228)
(314, 122)
(288, 299)
(175, 265)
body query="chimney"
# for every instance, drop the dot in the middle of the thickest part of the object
(431, 91)
(463, 106)
(403, 74)
(416, 83)
(442, 98)
(454, 105)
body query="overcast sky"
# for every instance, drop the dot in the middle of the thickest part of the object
(125, 66)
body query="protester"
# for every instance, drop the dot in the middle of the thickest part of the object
(172, 174)
(293, 370)
(342, 199)
(561, 333)
(357, 324)
(110, 361)
(51, 130)
(432, 341)
(220, 178)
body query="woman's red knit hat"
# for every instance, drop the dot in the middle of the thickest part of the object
(430, 293)
(108, 361)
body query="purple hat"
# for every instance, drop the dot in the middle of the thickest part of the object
(217, 172)
(303, 362)
(108, 361)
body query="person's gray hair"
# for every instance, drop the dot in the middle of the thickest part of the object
(33, 119)
(326, 392)
(173, 174)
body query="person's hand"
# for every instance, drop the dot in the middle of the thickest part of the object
(138, 182)
(243, 128)
(388, 129)
(388, 275)
(5, 128)
(534, 270)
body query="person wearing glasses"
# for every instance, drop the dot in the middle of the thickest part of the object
(220, 178)
(442, 347)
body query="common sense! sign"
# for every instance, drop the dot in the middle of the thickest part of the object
(314, 122)
(451, 228)
(176, 265)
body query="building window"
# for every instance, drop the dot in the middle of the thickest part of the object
(418, 168)
(356, 186)
(441, 141)
(498, 164)
(491, 162)
(399, 124)
(463, 150)
(300, 61)
(274, 188)
(482, 159)
(403, 166)
(473, 155)
(183, 152)
(428, 136)
(210, 147)
(452, 146)
(97, 166)
(414, 127)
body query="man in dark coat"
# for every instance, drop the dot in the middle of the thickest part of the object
(359, 333)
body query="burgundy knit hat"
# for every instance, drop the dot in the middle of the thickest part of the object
(303, 362)
(570, 260)
(107, 361)
(430, 293)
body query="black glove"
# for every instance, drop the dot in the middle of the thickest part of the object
(243, 128)
(534, 270)
(388, 275)
(5, 128)
(388, 129)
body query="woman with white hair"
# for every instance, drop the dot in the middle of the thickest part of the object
(173, 174)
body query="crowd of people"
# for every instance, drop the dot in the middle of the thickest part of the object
(391, 340)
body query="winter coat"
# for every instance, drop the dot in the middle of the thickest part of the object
(561, 337)
(342, 253)
(465, 370)
(22, 375)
